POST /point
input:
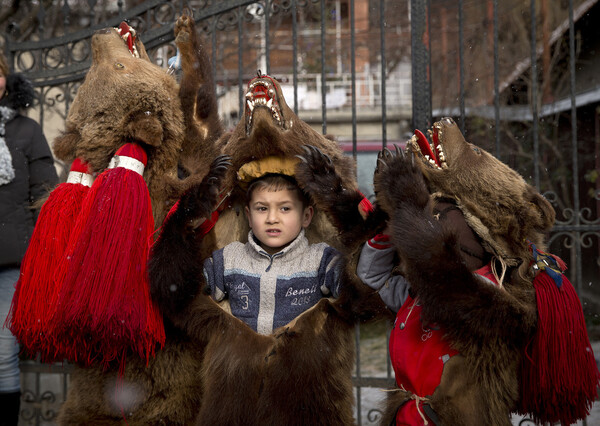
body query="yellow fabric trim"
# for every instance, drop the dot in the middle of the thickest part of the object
(271, 164)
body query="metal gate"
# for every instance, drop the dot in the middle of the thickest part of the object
(370, 71)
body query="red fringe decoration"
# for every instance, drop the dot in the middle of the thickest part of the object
(559, 376)
(104, 308)
(33, 302)
(365, 207)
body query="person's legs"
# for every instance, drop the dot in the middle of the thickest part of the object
(10, 381)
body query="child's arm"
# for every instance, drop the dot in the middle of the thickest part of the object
(374, 268)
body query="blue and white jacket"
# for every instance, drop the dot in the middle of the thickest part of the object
(268, 291)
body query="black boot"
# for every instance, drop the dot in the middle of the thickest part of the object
(10, 404)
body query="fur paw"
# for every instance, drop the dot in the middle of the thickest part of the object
(202, 199)
(398, 181)
(316, 174)
(184, 27)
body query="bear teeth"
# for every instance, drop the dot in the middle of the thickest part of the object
(253, 103)
(261, 92)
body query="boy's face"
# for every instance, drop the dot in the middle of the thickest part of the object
(276, 217)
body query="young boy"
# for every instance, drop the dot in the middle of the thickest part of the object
(277, 274)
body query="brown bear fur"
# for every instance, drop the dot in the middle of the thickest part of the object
(127, 99)
(300, 374)
(493, 211)
(214, 369)
(488, 325)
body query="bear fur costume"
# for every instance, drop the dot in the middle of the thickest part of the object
(129, 99)
(301, 373)
(126, 98)
(198, 371)
(489, 326)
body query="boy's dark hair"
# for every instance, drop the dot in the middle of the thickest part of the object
(277, 182)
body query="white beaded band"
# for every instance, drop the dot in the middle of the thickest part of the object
(82, 178)
(127, 163)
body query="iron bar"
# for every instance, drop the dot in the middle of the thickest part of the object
(576, 206)
(421, 83)
(240, 61)
(461, 66)
(358, 375)
(266, 35)
(534, 97)
(496, 83)
(383, 73)
(323, 76)
(353, 75)
(213, 37)
(295, 53)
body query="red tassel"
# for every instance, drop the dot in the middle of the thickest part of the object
(35, 293)
(104, 308)
(559, 376)
(365, 207)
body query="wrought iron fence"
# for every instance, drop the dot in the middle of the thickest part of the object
(344, 64)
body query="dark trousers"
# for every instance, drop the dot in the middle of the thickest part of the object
(10, 404)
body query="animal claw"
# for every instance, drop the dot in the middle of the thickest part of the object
(221, 161)
(317, 151)
(387, 153)
(301, 158)
(399, 151)
(382, 163)
(306, 149)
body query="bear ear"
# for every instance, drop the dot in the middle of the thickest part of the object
(64, 145)
(544, 210)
